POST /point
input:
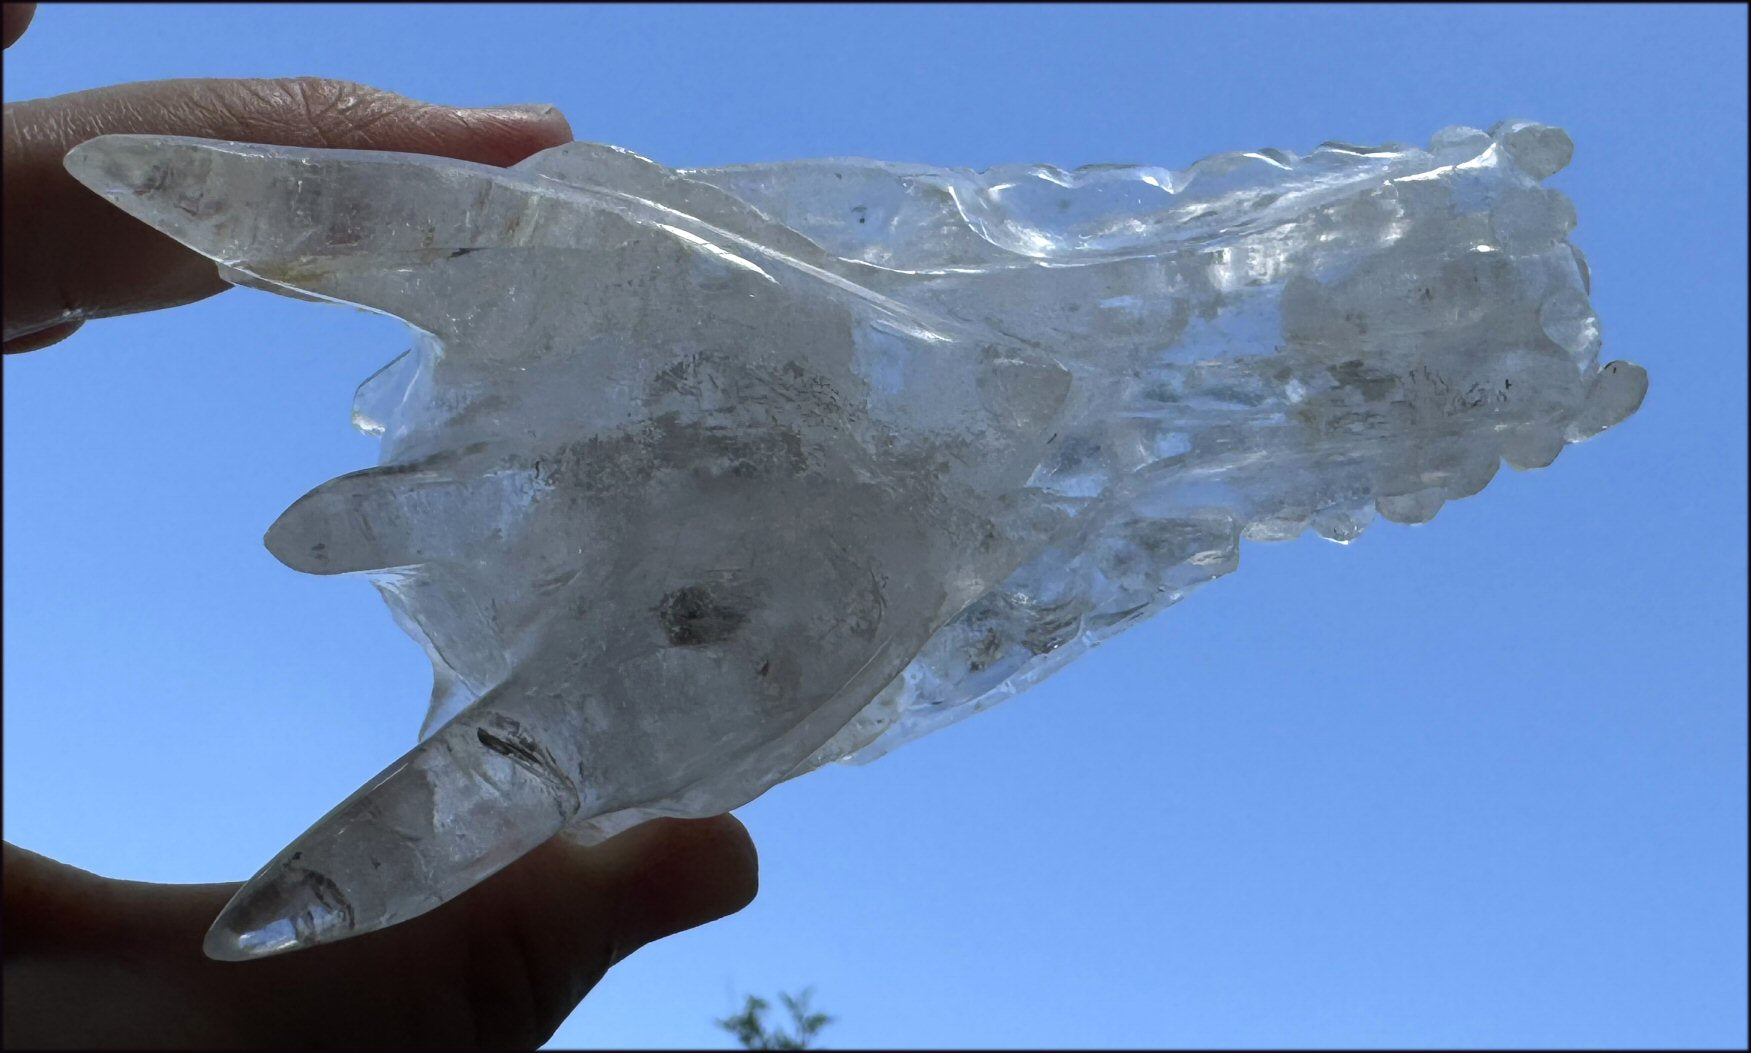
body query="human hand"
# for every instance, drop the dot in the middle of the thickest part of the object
(93, 962)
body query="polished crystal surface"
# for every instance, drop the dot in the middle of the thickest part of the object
(696, 480)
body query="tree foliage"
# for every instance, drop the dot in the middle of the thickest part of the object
(750, 1029)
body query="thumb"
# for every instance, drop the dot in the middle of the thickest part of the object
(98, 963)
(535, 938)
(69, 255)
(570, 912)
(679, 874)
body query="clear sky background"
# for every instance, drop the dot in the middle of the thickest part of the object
(1475, 783)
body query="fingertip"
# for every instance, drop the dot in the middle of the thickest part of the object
(724, 841)
(565, 913)
(679, 874)
(41, 338)
(14, 20)
(540, 117)
(505, 135)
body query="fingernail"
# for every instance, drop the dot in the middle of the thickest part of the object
(538, 110)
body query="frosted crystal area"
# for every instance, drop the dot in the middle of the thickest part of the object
(696, 480)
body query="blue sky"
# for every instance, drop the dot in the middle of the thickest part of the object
(1475, 783)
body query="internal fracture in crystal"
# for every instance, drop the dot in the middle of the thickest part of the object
(696, 480)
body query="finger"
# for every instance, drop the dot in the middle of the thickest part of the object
(567, 913)
(678, 874)
(93, 962)
(71, 256)
(42, 338)
(14, 20)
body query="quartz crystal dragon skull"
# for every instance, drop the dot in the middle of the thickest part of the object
(696, 480)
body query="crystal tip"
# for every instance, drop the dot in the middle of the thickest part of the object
(284, 909)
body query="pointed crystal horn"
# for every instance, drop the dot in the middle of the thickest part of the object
(347, 225)
(450, 813)
(379, 518)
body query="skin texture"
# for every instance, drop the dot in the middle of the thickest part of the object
(92, 962)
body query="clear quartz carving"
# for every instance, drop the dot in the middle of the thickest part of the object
(695, 480)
